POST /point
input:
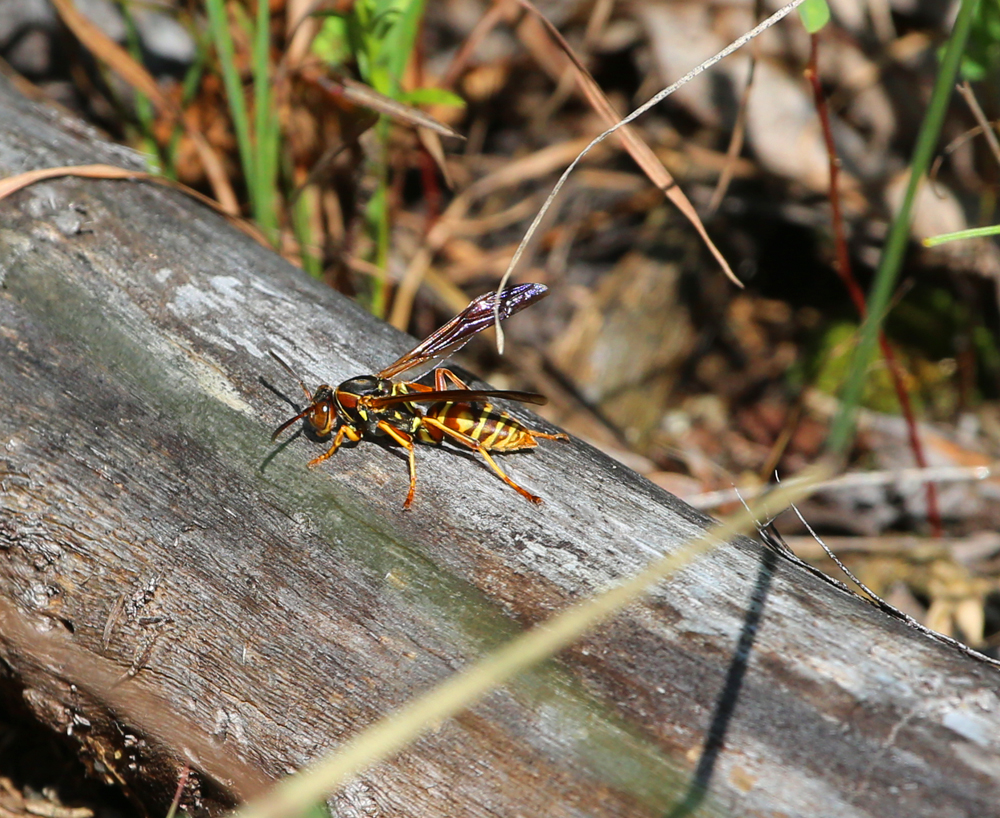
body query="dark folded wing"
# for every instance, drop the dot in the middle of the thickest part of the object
(457, 396)
(468, 323)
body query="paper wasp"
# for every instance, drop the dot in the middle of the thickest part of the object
(378, 406)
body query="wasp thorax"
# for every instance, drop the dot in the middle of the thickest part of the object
(351, 395)
(364, 385)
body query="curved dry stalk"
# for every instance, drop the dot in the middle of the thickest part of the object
(637, 148)
(655, 100)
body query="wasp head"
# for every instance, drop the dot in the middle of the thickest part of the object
(322, 412)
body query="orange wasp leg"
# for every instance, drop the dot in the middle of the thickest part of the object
(443, 375)
(344, 431)
(472, 443)
(404, 440)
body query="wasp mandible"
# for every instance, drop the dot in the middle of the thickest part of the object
(378, 406)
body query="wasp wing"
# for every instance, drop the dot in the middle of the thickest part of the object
(457, 396)
(468, 323)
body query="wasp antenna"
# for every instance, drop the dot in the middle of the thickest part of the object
(290, 421)
(291, 372)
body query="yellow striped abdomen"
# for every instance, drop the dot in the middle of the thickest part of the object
(493, 428)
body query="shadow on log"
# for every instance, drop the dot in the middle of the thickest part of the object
(175, 590)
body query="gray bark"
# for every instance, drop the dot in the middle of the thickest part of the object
(174, 589)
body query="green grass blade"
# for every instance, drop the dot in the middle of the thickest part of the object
(218, 24)
(401, 39)
(842, 433)
(302, 214)
(958, 235)
(266, 128)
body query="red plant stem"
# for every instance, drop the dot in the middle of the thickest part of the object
(182, 781)
(432, 190)
(428, 169)
(843, 267)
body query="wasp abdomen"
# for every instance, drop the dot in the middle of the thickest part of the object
(493, 428)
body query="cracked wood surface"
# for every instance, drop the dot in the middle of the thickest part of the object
(175, 589)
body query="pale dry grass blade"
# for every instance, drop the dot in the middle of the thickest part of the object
(851, 481)
(361, 94)
(14, 183)
(394, 732)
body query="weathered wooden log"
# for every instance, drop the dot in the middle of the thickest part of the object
(176, 590)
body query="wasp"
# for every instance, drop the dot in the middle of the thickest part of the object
(407, 412)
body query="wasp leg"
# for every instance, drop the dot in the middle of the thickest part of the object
(441, 377)
(404, 440)
(344, 431)
(472, 443)
(417, 387)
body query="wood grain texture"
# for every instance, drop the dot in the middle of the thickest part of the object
(175, 589)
